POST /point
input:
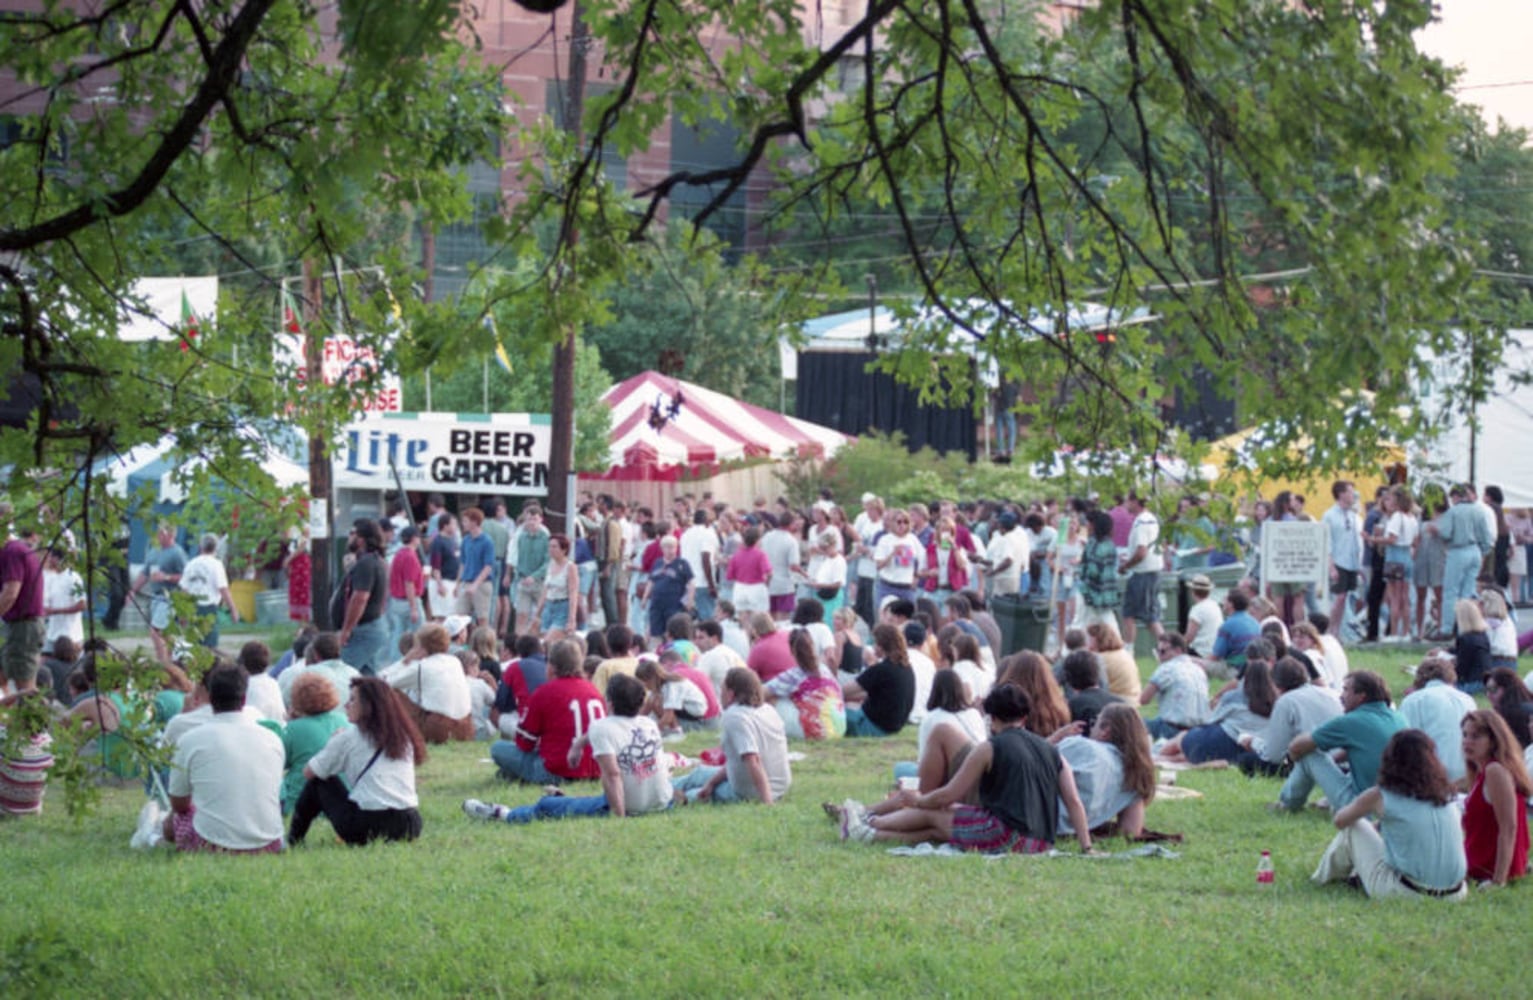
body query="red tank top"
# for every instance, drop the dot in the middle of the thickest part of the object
(1480, 834)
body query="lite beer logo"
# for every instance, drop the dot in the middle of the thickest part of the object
(438, 453)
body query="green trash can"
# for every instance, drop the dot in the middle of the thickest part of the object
(1024, 623)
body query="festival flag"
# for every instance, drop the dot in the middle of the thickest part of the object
(290, 314)
(500, 349)
(190, 326)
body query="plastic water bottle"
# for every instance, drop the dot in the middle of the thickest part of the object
(1264, 873)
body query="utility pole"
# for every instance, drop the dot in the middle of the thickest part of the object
(319, 453)
(561, 459)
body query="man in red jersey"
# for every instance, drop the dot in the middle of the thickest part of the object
(559, 712)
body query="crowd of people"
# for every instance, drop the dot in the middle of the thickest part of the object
(580, 655)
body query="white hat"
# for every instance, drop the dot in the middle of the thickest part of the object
(868, 498)
(456, 623)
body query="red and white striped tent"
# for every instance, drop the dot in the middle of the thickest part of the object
(709, 428)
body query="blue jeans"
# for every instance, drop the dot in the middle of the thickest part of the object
(399, 620)
(559, 807)
(210, 612)
(705, 604)
(1317, 768)
(1160, 729)
(1460, 570)
(517, 764)
(857, 723)
(367, 649)
(691, 784)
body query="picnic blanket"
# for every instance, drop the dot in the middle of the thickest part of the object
(949, 851)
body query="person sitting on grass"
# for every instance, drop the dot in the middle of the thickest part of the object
(1417, 849)
(322, 656)
(879, 699)
(1020, 779)
(808, 697)
(1180, 684)
(226, 777)
(263, 694)
(1114, 771)
(1030, 672)
(1241, 710)
(432, 678)
(1362, 730)
(1084, 694)
(1496, 809)
(1118, 662)
(559, 711)
(635, 769)
(316, 715)
(675, 701)
(1512, 700)
(755, 750)
(1436, 707)
(1300, 707)
(377, 757)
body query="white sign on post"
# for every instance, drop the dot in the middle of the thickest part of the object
(1296, 552)
(319, 517)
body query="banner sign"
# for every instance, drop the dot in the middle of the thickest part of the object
(344, 360)
(504, 453)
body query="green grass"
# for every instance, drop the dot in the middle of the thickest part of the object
(712, 901)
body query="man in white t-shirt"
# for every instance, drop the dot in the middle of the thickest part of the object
(716, 657)
(1141, 562)
(63, 601)
(208, 582)
(922, 666)
(635, 767)
(226, 778)
(1007, 556)
(700, 548)
(1204, 617)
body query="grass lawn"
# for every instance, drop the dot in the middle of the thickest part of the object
(740, 901)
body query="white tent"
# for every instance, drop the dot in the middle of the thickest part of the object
(1499, 449)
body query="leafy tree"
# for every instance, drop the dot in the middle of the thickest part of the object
(1026, 174)
(270, 133)
(683, 308)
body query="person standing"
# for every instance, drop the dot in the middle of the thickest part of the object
(1468, 540)
(498, 528)
(63, 601)
(1099, 573)
(476, 575)
(21, 608)
(700, 548)
(208, 582)
(529, 567)
(162, 573)
(442, 557)
(1346, 534)
(362, 598)
(406, 586)
(1141, 562)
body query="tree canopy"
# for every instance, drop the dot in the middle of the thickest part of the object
(1270, 179)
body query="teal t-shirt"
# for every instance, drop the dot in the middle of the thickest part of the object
(1362, 732)
(303, 738)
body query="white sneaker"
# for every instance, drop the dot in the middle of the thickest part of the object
(483, 810)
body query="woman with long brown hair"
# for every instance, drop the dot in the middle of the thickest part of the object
(879, 700)
(378, 756)
(1496, 810)
(1417, 849)
(1114, 772)
(1028, 671)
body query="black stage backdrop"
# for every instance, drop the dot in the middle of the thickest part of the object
(836, 390)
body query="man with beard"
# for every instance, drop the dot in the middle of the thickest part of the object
(362, 599)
